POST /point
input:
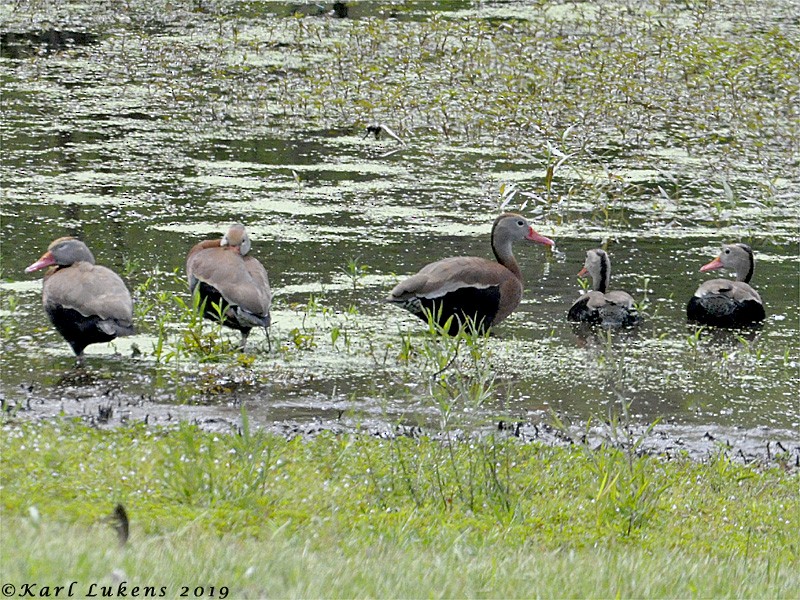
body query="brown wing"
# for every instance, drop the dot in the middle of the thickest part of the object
(594, 300)
(444, 276)
(622, 299)
(242, 281)
(735, 290)
(263, 293)
(91, 290)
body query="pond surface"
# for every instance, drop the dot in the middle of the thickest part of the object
(145, 130)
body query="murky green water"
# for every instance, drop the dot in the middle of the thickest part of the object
(159, 125)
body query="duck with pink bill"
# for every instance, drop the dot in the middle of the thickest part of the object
(87, 303)
(726, 302)
(470, 288)
(601, 306)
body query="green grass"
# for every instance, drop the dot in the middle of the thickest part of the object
(361, 516)
(284, 564)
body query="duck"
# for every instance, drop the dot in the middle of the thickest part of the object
(470, 288)
(600, 306)
(86, 302)
(724, 302)
(222, 272)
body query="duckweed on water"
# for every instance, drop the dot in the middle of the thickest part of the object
(661, 128)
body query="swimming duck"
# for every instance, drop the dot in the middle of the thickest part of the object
(600, 306)
(724, 302)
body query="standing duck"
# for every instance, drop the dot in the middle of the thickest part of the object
(471, 287)
(599, 306)
(87, 303)
(724, 302)
(222, 273)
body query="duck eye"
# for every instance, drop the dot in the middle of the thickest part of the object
(727, 251)
(520, 223)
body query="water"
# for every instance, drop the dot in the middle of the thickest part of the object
(151, 131)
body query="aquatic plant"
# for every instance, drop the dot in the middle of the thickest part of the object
(179, 326)
(9, 303)
(355, 271)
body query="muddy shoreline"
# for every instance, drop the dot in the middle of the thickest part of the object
(763, 447)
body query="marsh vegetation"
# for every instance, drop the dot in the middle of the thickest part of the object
(659, 130)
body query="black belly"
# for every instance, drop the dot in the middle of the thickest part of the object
(78, 330)
(580, 312)
(209, 296)
(724, 312)
(478, 304)
(611, 315)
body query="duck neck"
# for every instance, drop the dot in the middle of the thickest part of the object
(52, 271)
(750, 267)
(601, 280)
(502, 252)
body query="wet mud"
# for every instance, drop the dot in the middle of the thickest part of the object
(762, 447)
